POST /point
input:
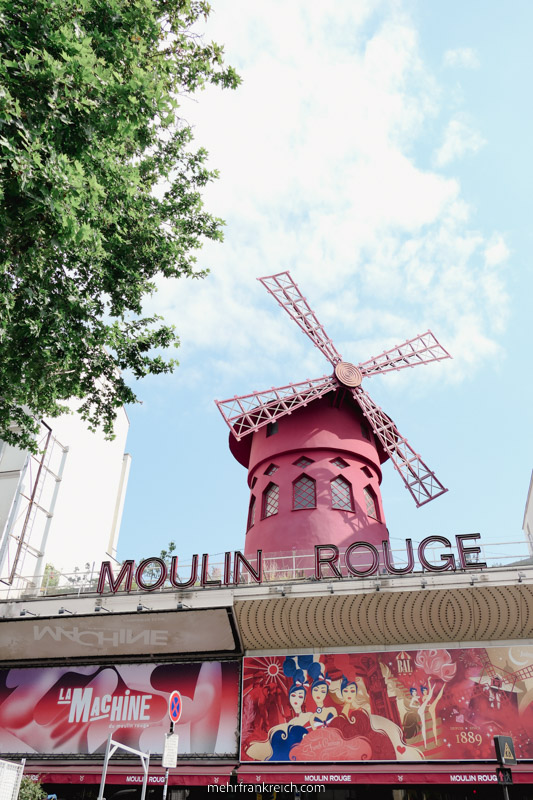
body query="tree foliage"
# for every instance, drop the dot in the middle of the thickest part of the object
(89, 126)
(29, 790)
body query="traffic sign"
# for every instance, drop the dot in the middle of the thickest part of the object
(170, 753)
(174, 706)
(504, 775)
(505, 752)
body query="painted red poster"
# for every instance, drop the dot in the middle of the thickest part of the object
(74, 709)
(411, 705)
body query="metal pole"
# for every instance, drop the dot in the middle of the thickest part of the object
(505, 792)
(165, 787)
(146, 765)
(104, 771)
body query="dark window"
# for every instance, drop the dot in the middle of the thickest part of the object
(341, 494)
(254, 481)
(304, 493)
(340, 463)
(251, 512)
(303, 462)
(270, 470)
(371, 502)
(366, 472)
(272, 428)
(270, 500)
(365, 430)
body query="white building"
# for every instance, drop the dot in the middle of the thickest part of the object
(62, 507)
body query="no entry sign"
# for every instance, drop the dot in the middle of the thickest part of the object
(174, 706)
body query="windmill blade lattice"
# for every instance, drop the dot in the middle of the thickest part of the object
(421, 482)
(252, 411)
(286, 292)
(422, 349)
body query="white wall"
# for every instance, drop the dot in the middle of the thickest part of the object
(86, 504)
(83, 519)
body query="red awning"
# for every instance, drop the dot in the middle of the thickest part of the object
(183, 775)
(327, 774)
(398, 773)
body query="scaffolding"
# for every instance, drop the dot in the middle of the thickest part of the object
(32, 508)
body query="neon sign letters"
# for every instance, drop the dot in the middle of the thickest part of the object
(153, 573)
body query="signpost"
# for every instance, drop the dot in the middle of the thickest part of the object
(505, 753)
(170, 753)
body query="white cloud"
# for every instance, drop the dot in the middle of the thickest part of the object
(319, 175)
(459, 139)
(496, 251)
(461, 57)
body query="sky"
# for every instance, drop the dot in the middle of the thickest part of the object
(380, 151)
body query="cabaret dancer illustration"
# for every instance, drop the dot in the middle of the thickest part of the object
(431, 706)
(282, 738)
(411, 708)
(407, 703)
(323, 714)
(421, 708)
(384, 736)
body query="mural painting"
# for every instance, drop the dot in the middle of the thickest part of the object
(410, 705)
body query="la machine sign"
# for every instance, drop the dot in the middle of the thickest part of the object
(359, 560)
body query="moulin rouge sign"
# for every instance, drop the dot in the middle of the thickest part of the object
(153, 573)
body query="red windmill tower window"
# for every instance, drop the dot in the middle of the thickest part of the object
(365, 431)
(340, 463)
(271, 469)
(272, 428)
(371, 503)
(303, 462)
(341, 494)
(304, 493)
(270, 500)
(251, 513)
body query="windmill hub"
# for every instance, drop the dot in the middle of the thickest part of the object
(348, 374)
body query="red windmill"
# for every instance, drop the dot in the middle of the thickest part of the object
(323, 461)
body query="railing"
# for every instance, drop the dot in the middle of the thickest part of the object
(276, 568)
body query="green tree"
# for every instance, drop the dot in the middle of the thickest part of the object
(89, 126)
(167, 554)
(29, 790)
(50, 579)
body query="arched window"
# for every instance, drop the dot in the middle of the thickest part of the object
(251, 512)
(371, 503)
(304, 493)
(270, 500)
(341, 494)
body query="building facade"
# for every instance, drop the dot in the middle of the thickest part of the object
(399, 682)
(63, 506)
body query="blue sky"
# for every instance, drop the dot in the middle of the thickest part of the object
(380, 151)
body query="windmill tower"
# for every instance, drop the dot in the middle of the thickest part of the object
(314, 449)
